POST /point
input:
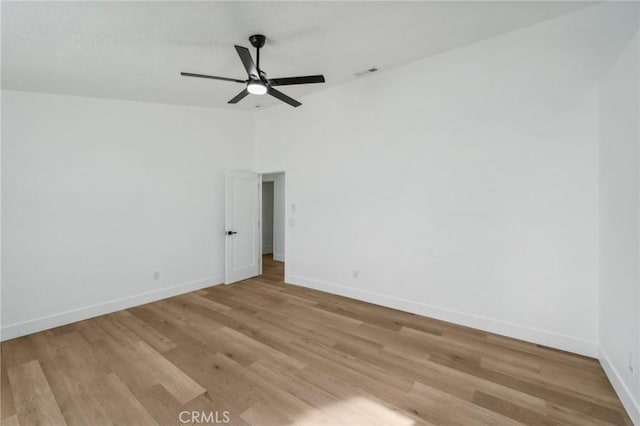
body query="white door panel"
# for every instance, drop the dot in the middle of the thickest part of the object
(242, 216)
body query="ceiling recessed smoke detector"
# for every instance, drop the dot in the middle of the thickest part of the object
(369, 71)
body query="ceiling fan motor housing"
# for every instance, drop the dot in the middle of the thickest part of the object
(257, 40)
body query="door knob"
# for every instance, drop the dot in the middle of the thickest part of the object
(231, 232)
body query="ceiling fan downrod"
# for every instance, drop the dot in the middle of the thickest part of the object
(257, 41)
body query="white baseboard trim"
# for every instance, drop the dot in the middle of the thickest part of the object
(624, 393)
(517, 331)
(278, 256)
(50, 321)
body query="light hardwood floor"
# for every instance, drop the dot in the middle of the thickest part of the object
(269, 353)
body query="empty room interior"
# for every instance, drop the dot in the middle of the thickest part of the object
(320, 213)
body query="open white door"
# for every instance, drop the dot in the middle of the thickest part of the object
(242, 219)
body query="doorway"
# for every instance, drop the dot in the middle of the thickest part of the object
(267, 217)
(273, 216)
(255, 225)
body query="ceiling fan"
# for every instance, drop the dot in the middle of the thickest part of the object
(258, 83)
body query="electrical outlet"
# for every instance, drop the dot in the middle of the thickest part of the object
(631, 362)
(355, 273)
(156, 276)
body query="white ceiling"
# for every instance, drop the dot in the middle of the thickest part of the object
(136, 50)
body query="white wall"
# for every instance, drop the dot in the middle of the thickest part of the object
(99, 194)
(267, 217)
(620, 226)
(462, 186)
(279, 181)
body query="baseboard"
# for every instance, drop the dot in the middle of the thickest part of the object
(50, 321)
(278, 256)
(267, 249)
(517, 331)
(624, 393)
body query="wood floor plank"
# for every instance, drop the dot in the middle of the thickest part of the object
(70, 364)
(445, 409)
(594, 390)
(451, 381)
(118, 404)
(147, 333)
(511, 410)
(180, 385)
(11, 421)
(568, 417)
(7, 406)
(262, 414)
(161, 405)
(217, 413)
(285, 378)
(548, 392)
(137, 363)
(365, 398)
(266, 352)
(35, 402)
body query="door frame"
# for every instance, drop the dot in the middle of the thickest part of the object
(286, 212)
(273, 248)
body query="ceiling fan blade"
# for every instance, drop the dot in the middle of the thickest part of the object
(188, 74)
(239, 97)
(287, 81)
(284, 98)
(247, 61)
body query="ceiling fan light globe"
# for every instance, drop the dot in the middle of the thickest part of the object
(256, 88)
